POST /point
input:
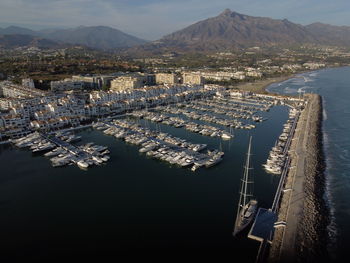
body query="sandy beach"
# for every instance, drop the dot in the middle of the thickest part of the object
(260, 86)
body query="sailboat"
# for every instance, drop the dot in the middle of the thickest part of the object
(247, 205)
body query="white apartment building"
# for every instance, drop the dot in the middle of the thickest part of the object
(64, 85)
(126, 83)
(28, 83)
(166, 78)
(192, 79)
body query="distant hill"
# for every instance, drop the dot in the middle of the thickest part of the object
(16, 40)
(98, 37)
(331, 35)
(231, 30)
(15, 30)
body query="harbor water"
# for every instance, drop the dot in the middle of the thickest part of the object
(334, 87)
(134, 206)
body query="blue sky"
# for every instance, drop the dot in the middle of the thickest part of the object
(151, 19)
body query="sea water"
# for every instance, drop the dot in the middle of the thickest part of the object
(334, 87)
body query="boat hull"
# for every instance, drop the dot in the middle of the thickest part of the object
(246, 217)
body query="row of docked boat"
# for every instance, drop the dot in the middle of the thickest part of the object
(135, 134)
(67, 136)
(178, 122)
(232, 110)
(27, 141)
(225, 111)
(37, 143)
(278, 154)
(197, 115)
(84, 155)
(161, 145)
(217, 103)
(58, 148)
(261, 104)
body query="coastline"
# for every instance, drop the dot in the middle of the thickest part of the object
(303, 236)
(260, 86)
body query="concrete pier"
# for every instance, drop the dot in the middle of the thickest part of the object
(295, 237)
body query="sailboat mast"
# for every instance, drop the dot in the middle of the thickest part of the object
(246, 173)
(243, 192)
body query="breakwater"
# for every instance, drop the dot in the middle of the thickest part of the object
(301, 233)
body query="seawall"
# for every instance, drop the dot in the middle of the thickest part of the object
(302, 236)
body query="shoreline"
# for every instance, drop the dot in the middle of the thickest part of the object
(260, 86)
(304, 210)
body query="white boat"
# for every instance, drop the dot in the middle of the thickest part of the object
(97, 159)
(226, 136)
(54, 152)
(213, 161)
(105, 158)
(83, 164)
(247, 205)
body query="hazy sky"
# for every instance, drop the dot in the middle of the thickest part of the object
(151, 19)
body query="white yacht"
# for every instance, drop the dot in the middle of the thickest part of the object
(82, 164)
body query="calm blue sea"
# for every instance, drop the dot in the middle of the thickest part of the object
(334, 87)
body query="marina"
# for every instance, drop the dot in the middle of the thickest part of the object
(131, 141)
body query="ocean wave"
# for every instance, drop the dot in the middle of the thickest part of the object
(305, 88)
(324, 112)
(290, 90)
(332, 228)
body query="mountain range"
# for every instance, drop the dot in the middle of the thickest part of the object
(18, 40)
(231, 30)
(97, 37)
(228, 30)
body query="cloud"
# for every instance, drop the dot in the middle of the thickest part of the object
(151, 19)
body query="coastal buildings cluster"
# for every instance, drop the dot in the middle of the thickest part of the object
(25, 109)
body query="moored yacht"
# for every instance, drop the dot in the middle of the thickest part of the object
(247, 206)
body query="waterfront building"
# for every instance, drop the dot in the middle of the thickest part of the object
(192, 79)
(6, 103)
(126, 83)
(65, 85)
(13, 126)
(89, 81)
(222, 75)
(96, 81)
(28, 83)
(9, 89)
(166, 78)
(313, 65)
